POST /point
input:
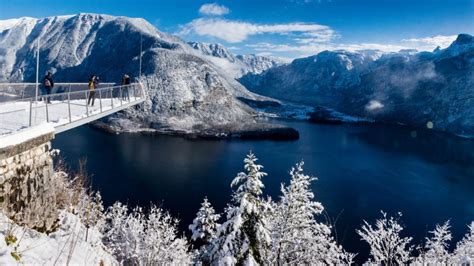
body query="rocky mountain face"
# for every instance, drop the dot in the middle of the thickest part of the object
(236, 65)
(426, 89)
(326, 73)
(187, 92)
(213, 49)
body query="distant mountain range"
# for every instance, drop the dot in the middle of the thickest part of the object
(422, 89)
(188, 92)
(236, 65)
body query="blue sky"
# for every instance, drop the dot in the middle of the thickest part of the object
(287, 28)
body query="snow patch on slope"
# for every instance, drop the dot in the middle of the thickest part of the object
(67, 245)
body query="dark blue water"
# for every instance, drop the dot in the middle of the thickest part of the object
(362, 169)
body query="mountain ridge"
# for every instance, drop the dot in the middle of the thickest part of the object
(416, 89)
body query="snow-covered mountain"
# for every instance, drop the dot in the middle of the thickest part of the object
(187, 91)
(426, 89)
(213, 49)
(236, 65)
(325, 73)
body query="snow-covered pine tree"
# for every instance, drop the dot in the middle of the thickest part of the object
(244, 237)
(464, 252)
(204, 229)
(387, 247)
(436, 247)
(297, 237)
(205, 224)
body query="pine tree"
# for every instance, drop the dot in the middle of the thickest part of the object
(297, 237)
(204, 229)
(244, 238)
(386, 245)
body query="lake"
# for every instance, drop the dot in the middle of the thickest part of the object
(361, 170)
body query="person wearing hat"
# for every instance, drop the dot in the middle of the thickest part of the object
(48, 84)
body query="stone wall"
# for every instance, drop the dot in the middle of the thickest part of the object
(26, 191)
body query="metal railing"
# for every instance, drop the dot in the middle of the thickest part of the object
(18, 91)
(73, 106)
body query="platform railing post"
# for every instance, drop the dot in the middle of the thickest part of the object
(135, 87)
(127, 93)
(87, 104)
(47, 113)
(69, 103)
(112, 97)
(142, 90)
(134, 92)
(31, 112)
(120, 95)
(100, 100)
(23, 93)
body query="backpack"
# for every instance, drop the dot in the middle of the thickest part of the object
(47, 83)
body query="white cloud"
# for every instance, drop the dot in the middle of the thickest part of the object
(237, 31)
(213, 9)
(300, 38)
(430, 43)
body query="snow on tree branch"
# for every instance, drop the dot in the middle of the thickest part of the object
(386, 245)
(436, 247)
(139, 239)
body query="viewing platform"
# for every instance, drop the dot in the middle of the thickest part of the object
(67, 107)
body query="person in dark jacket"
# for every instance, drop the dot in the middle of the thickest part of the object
(125, 87)
(48, 84)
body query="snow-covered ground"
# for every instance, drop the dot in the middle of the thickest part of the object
(25, 135)
(66, 246)
(15, 116)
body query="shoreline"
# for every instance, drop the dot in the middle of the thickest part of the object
(259, 131)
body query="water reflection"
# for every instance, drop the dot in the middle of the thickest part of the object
(433, 147)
